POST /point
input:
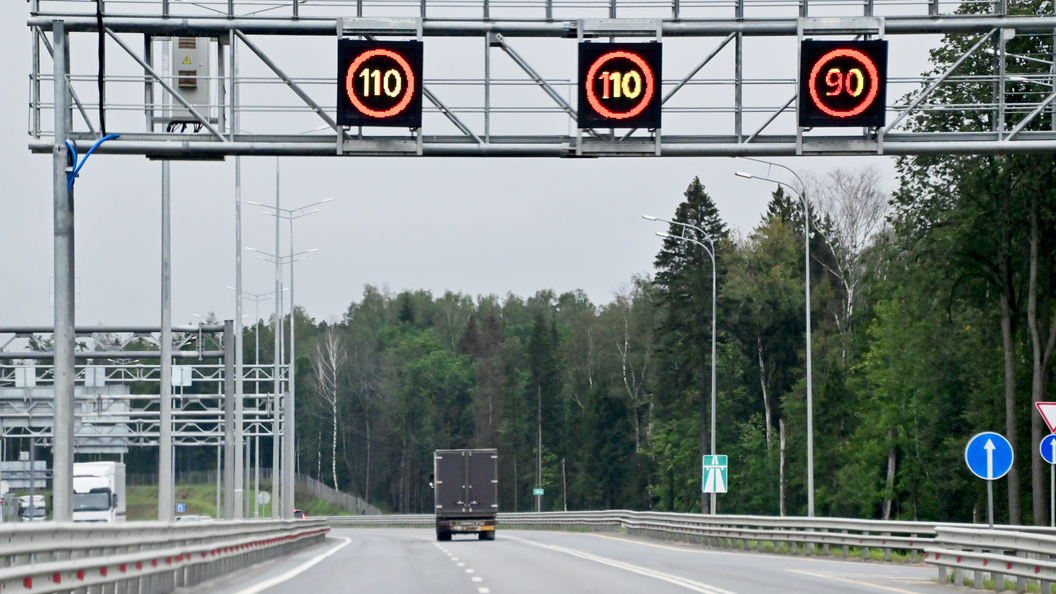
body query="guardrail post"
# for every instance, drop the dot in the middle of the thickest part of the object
(958, 576)
(943, 574)
(1021, 582)
(980, 579)
(1046, 587)
(865, 553)
(999, 580)
(846, 549)
(913, 552)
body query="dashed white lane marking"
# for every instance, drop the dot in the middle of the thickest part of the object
(478, 579)
(461, 564)
(483, 590)
(672, 579)
(296, 571)
(469, 571)
(454, 558)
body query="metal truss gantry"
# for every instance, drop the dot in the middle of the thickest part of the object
(481, 107)
(711, 108)
(117, 401)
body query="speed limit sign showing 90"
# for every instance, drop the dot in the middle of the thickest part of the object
(379, 83)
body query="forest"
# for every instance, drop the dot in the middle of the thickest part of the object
(932, 319)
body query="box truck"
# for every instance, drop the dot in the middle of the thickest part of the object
(466, 492)
(99, 492)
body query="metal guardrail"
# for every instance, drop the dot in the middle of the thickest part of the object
(143, 557)
(993, 555)
(722, 531)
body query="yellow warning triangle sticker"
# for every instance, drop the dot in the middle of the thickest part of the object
(187, 60)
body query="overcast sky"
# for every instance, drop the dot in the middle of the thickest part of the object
(470, 225)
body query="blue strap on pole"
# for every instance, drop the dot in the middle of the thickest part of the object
(72, 175)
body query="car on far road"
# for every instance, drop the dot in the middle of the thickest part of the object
(39, 512)
(190, 518)
(299, 515)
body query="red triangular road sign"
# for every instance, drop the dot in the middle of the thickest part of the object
(1048, 412)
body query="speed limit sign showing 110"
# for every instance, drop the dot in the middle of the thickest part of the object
(842, 83)
(619, 85)
(379, 83)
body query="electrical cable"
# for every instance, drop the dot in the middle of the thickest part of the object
(102, 66)
(75, 166)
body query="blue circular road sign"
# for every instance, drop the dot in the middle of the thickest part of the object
(989, 456)
(1047, 447)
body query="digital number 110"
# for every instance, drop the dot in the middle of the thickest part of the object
(391, 83)
(621, 84)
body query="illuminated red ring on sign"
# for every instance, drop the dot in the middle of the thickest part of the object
(593, 99)
(407, 96)
(874, 78)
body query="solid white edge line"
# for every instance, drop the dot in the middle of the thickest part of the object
(671, 579)
(295, 571)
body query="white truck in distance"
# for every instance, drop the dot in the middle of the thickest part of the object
(99, 492)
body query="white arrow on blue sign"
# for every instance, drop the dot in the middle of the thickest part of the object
(1048, 449)
(989, 456)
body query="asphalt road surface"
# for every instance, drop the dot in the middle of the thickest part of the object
(406, 561)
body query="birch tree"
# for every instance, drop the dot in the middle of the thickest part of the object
(327, 361)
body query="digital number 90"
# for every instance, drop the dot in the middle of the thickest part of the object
(391, 83)
(854, 82)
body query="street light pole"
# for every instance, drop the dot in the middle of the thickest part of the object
(810, 380)
(714, 323)
(276, 465)
(278, 362)
(256, 298)
(289, 417)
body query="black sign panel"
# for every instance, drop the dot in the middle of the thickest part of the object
(379, 83)
(619, 85)
(842, 83)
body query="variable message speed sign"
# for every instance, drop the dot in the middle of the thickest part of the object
(379, 83)
(842, 83)
(619, 85)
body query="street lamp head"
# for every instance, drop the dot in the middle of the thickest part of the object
(229, 287)
(330, 199)
(664, 235)
(744, 175)
(254, 203)
(649, 217)
(251, 249)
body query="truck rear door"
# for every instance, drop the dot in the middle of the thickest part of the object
(450, 481)
(483, 489)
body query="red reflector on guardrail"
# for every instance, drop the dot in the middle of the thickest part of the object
(56, 578)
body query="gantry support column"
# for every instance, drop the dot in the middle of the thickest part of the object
(230, 447)
(64, 337)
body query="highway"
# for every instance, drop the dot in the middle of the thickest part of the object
(542, 562)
